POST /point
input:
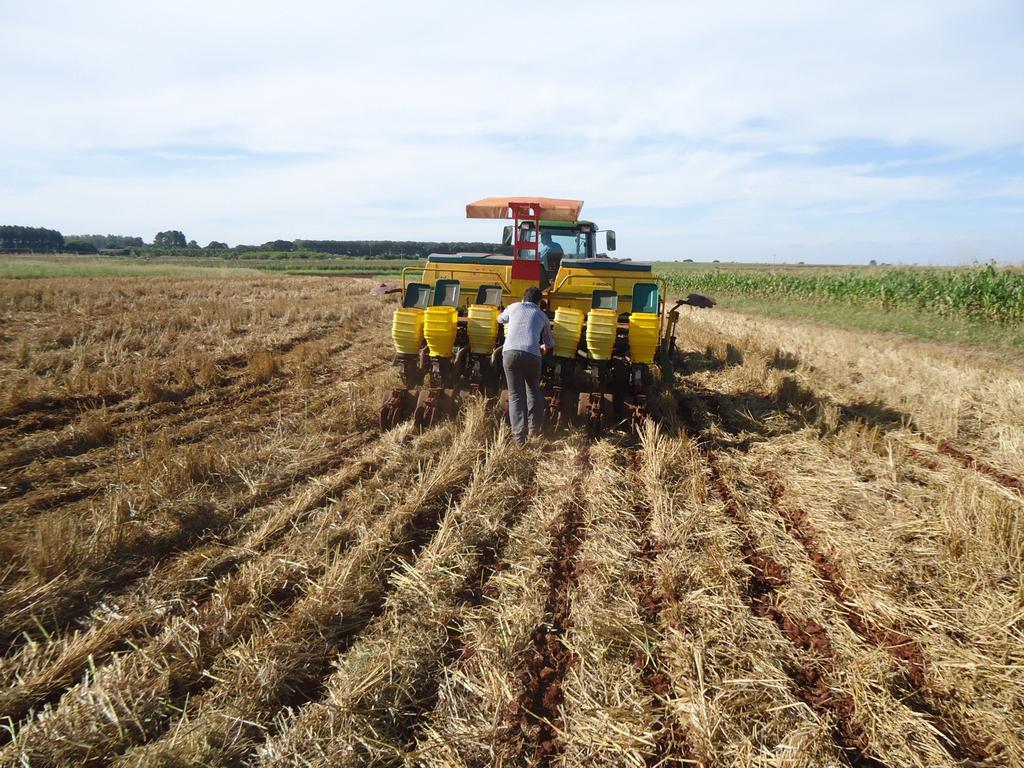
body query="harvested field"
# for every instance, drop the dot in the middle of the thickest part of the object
(211, 556)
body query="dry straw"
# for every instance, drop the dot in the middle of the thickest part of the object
(210, 557)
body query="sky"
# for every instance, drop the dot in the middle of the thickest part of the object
(824, 132)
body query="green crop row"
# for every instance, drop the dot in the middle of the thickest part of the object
(984, 293)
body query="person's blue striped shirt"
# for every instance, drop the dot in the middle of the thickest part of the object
(526, 328)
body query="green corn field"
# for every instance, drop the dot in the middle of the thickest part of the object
(983, 293)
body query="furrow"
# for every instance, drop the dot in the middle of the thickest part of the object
(906, 651)
(133, 698)
(813, 680)
(289, 664)
(47, 670)
(186, 423)
(727, 698)
(671, 743)
(388, 680)
(127, 408)
(134, 546)
(924, 562)
(474, 721)
(540, 703)
(133, 555)
(613, 711)
(58, 412)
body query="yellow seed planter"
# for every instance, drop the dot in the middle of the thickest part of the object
(407, 330)
(482, 327)
(567, 328)
(601, 333)
(643, 336)
(439, 324)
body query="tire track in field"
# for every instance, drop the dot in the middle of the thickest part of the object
(189, 588)
(57, 412)
(155, 553)
(941, 445)
(867, 413)
(672, 747)
(83, 458)
(812, 680)
(231, 717)
(711, 403)
(1005, 480)
(767, 577)
(539, 704)
(1014, 485)
(961, 746)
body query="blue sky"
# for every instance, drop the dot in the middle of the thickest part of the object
(790, 131)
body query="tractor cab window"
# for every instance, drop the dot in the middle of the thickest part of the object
(557, 244)
(572, 244)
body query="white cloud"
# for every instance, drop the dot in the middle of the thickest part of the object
(411, 110)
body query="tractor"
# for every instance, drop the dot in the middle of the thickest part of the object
(608, 320)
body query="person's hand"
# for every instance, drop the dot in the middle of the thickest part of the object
(544, 349)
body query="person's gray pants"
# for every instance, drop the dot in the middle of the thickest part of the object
(522, 371)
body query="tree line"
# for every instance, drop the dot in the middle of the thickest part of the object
(14, 239)
(107, 241)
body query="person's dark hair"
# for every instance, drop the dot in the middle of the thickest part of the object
(532, 295)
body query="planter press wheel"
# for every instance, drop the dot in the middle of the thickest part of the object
(434, 406)
(397, 407)
(596, 410)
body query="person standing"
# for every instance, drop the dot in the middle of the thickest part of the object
(527, 338)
